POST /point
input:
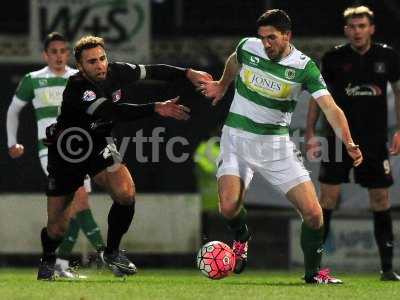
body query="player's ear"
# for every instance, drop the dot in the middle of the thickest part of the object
(346, 30)
(287, 35)
(44, 56)
(372, 30)
(79, 66)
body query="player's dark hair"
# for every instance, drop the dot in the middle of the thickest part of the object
(277, 18)
(87, 42)
(52, 37)
(358, 12)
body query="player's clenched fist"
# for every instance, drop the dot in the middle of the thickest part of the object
(16, 151)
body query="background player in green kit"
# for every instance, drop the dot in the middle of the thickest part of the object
(44, 89)
(270, 75)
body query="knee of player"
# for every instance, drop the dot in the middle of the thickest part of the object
(314, 219)
(56, 231)
(328, 203)
(125, 198)
(380, 203)
(228, 208)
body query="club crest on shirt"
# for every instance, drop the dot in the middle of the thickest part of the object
(290, 73)
(116, 96)
(379, 67)
(89, 95)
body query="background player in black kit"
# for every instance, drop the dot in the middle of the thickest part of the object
(92, 103)
(357, 74)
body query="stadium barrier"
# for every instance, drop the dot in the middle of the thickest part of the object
(163, 224)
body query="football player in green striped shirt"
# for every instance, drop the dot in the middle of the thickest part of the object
(270, 74)
(43, 89)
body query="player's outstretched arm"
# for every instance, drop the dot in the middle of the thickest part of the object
(171, 108)
(169, 73)
(126, 112)
(217, 89)
(338, 121)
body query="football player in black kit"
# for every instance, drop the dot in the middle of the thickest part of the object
(80, 144)
(357, 75)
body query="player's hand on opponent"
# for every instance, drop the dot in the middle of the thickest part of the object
(197, 77)
(355, 153)
(214, 90)
(171, 108)
(16, 151)
(395, 147)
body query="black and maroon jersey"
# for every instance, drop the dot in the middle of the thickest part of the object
(358, 85)
(82, 97)
(96, 106)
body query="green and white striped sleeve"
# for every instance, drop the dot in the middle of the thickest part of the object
(239, 52)
(24, 90)
(314, 82)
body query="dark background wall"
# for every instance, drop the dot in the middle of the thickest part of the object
(170, 20)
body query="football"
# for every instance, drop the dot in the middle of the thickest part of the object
(216, 260)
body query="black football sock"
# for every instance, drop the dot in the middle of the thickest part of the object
(238, 225)
(49, 246)
(327, 213)
(119, 219)
(383, 231)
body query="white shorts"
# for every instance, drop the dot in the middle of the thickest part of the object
(274, 157)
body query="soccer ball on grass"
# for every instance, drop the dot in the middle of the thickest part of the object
(216, 260)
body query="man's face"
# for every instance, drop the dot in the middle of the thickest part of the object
(359, 31)
(94, 64)
(274, 41)
(56, 55)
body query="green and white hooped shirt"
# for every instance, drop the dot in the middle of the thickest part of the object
(44, 89)
(266, 92)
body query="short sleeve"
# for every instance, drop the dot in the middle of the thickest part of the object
(239, 50)
(24, 90)
(314, 82)
(394, 66)
(326, 70)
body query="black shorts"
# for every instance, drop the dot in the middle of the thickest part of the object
(374, 172)
(67, 172)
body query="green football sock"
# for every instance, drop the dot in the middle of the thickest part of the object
(90, 228)
(70, 237)
(238, 225)
(311, 244)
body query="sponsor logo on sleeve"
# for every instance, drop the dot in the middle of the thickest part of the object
(254, 60)
(89, 96)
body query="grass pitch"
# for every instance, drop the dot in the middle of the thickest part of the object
(190, 284)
